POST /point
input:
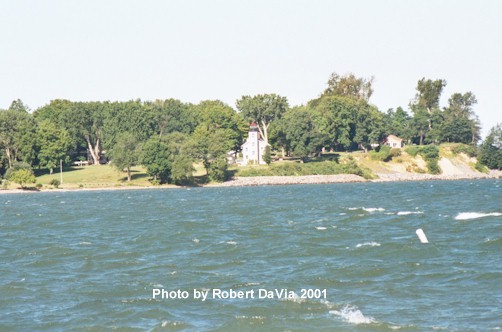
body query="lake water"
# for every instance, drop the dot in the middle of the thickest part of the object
(93, 260)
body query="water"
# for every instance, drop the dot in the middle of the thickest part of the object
(91, 260)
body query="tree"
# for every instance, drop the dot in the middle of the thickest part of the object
(349, 86)
(335, 118)
(461, 124)
(82, 120)
(267, 156)
(428, 93)
(17, 135)
(302, 132)
(397, 123)
(426, 112)
(263, 109)
(157, 159)
(182, 171)
(126, 153)
(214, 114)
(53, 144)
(210, 145)
(22, 176)
(171, 115)
(491, 150)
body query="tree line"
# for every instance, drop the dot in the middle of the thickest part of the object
(168, 136)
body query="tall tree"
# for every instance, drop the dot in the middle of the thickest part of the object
(335, 117)
(302, 132)
(171, 115)
(491, 149)
(461, 124)
(425, 107)
(397, 123)
(126, 153)
(17, 135)
(263, 109)
(349, 86)
(214, 114)
(53, 143)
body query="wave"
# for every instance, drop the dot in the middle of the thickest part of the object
(405, 213)
(368, 244)
(373, 209)
(321, 228)
(351, 314)
(476, 215)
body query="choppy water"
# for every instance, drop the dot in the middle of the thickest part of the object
(91, 260)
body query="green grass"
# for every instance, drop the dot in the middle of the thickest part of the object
(94, 177)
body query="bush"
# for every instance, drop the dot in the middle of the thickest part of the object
(464, 148)
(22, 176)
(218, 170)
(385, 153)
(433, 166)
(429, 152)
(412, 150)
(39, 185)
(15, 167)
(55, 183)
(312, 168)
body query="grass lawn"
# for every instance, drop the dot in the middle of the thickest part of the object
(94, 176)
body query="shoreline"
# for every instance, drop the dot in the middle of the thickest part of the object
(287, 180)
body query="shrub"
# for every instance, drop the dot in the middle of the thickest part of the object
(15, 167)
(429, 152)
(385, 153)
(480, 167)
(22, 176)
(433, 166)
(55, 183)
(267, 156)
(218, 170)
(39, 185)
(464, 148)
(412, 150)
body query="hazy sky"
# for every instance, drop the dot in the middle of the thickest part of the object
(222, 49)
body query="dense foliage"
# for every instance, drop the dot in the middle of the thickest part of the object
(168, 136)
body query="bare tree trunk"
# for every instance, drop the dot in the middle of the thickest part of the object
(283, 151)
(129, 174)
(264, 132)
(9, 157)
(93, 150)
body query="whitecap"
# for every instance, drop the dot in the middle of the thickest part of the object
(321, 228)
(353, 315)
(196, 240)
(232, 242)
(84, 243)
(353, 208)
(475, 215)
(405, 213)
(368, 244)
(373, 209)
(343, 214)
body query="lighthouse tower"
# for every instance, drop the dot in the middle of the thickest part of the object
(254, 147)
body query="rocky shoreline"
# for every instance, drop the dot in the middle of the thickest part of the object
(289, 180)
(345, 178)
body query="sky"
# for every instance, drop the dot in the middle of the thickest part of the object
(195, 50)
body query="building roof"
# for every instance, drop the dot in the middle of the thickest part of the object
(394, 138)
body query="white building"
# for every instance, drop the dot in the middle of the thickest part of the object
(254, 147)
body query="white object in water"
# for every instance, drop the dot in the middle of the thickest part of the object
(421, 236)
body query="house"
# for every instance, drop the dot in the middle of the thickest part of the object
(394, 141)
(254, 147)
